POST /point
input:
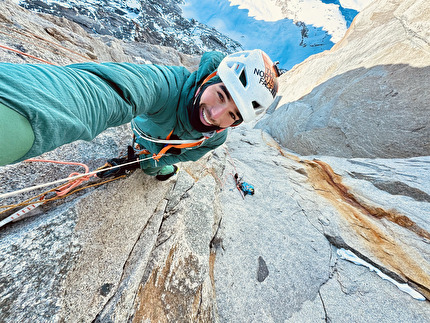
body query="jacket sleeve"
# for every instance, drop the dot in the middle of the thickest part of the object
(142, 89)
(79, 101)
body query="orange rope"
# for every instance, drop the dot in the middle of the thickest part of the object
(66, 188)
(30, 34)
(42, 195)
(25, 54)
(62, 190)
(25, 202)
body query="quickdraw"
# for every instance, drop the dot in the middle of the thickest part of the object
(22, 213)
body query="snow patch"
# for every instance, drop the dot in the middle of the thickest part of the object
(355, 4)
(352, 257)
(311, 12)
(266, 10)
(135, 4)
(314, 12)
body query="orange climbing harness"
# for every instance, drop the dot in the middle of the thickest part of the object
(180, 146)
(168, 142)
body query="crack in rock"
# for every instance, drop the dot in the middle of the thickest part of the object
(326, 318)
(412, 32)
(106, 311)
(395, 187)
(216, 241)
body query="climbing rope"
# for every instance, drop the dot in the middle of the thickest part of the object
(63, 190)
(25, 54)
(30, 205)
(29, 34)
(67, 179)
(73, 181)
(244, 188)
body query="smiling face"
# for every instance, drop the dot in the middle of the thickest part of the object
(217, 108)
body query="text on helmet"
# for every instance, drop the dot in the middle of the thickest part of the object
(268, 79)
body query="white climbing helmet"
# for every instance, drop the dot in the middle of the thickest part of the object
(251, 78)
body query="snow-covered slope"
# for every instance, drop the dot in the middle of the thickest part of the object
(154, 22)
(289, 31)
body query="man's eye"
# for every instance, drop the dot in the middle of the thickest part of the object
(221, 97)
(232, 115)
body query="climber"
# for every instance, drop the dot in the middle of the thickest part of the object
(175, 115)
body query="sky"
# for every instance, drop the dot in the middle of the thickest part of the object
(264, 24)
(276, 26)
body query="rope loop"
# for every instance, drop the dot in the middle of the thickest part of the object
(66, 188)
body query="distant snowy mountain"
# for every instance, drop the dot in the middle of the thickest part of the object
(289, 31)
(154, 22)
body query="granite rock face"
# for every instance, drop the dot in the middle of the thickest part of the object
(366, 97)
(61, 41)
(194, 248)
(303, 212)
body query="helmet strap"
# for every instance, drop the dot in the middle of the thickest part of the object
(204, 81)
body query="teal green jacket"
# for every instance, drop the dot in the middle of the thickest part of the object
(79, 101)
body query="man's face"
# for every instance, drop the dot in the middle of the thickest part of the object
(217, 108)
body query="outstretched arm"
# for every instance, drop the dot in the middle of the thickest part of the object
(79, 101)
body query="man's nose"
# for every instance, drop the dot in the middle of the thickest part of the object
(218, 111)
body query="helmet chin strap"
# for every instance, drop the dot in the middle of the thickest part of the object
(204, 81)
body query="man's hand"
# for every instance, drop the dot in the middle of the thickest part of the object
(127, 169)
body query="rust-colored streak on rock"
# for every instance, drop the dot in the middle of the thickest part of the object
(168, 294)
(366, 221)
(212, 259)
(336, 182)
(151, 304)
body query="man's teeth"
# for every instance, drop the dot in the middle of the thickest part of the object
(206, 118)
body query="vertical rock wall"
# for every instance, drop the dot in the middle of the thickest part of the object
(368, 95)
